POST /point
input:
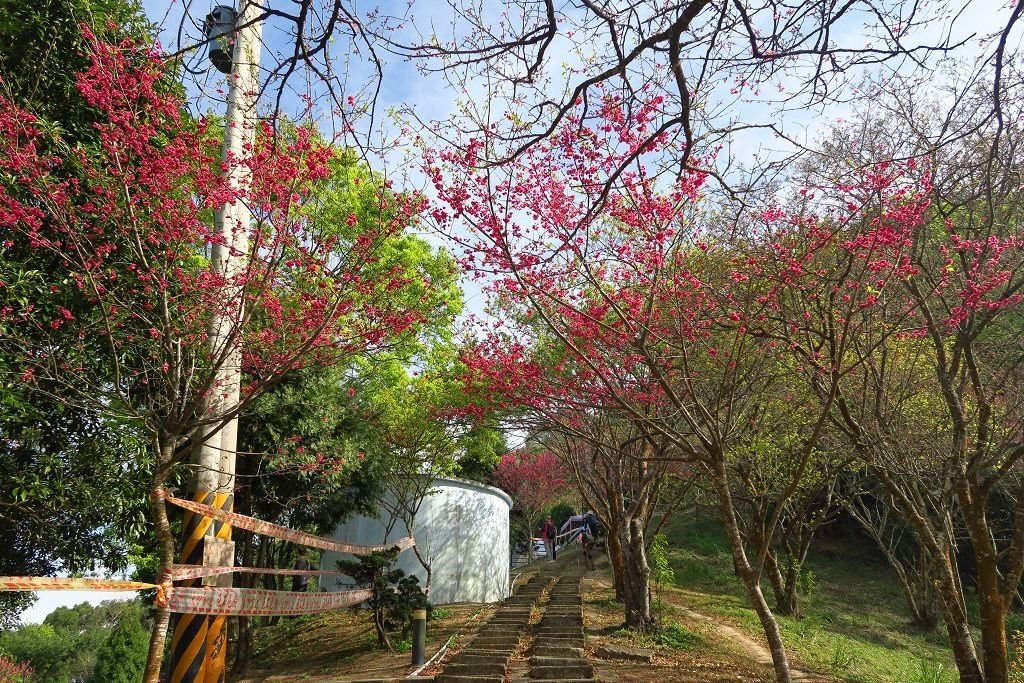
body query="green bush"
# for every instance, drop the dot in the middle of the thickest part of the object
(678, 636)
(395, 595)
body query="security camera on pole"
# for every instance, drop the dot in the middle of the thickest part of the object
(199, 644)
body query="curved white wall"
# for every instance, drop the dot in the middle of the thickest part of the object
(461, 529)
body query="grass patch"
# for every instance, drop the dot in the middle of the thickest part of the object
(855, 626)
(678, 636)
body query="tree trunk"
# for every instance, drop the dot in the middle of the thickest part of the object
(779, 585)
(165, 541)
(750, 578)
(935, 535)
(618, 564)
(637, 578)
(423, 563)
(790, 605)
(954, 615)
(991, 604)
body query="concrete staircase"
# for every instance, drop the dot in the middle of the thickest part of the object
(486, 658)
(557, 652)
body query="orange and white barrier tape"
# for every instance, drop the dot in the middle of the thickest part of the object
(258, 526)
(43, 583)
(181, 572)
(253, 602)
(202, 600)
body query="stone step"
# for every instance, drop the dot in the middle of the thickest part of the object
(568, 620)
(510, 639)
(442, 678)
(492, 642)
(540, 660)
(552, 625)
(545, 633)
(563, 671)
(548, 650)
(501, 630)
(559, 642)
(498, 636)
(478, 657)
(475, 669)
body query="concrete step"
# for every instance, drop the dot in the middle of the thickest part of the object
(502, 630)
(564, 651)
(545, 633)
(489, 649)
(576, 641)
(490, 641)
(477, 657)
(442, 678)
(475, 669)
(494, 646)
(512, 639)
(553, 618)
(539, 660)
(562, 671)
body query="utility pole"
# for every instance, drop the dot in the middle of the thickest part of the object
(199, 644)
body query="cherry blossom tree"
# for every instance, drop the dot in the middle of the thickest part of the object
(536, 480)
(936, 417)
(664, 312)
(124, 328)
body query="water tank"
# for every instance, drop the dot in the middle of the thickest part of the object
(461, 530)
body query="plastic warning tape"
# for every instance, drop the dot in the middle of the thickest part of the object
(42, 583)
(258, 526)
(253, 602)
(201, 600)
(181, 572)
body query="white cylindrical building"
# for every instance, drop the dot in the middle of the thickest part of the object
(462, 530)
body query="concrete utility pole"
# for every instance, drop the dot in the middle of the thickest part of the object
(199, 644)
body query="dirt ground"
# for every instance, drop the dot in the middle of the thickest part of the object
(722, 654)
(340, 646)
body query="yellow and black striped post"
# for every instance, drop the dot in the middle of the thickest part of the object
(217, 626)
(188, 644)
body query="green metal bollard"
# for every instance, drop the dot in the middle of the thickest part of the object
(419, 635)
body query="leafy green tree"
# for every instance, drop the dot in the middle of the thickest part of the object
(73, 498)
(122, 659)
(48, 650)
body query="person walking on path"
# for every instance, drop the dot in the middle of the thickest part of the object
(588, 537)
(301, 581)
(548, 534)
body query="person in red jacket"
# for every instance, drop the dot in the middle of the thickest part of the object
(548, 534)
